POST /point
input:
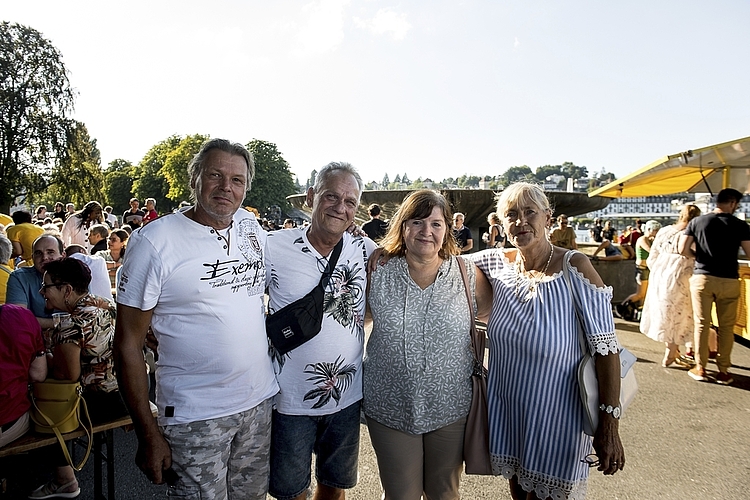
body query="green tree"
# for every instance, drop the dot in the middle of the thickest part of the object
(273, 179)
(78, 177)
(545, 171)
(572, 171)
(175, 167)
(148, 179)
(405, 179)
(118, 189)
(36, 100)
(515, 174)
(466, 181)
(118, 164)
(386, 181)
(311, 180)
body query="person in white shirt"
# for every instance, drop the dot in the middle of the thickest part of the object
(100, 284)
(318, 406)
(197, 279)
(110, 218)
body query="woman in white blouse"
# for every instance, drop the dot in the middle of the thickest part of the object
(418, 361)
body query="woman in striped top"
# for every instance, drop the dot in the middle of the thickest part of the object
(535, 413)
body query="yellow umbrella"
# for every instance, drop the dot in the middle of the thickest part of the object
(701, 170)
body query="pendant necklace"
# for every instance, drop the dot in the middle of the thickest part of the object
(534, 282)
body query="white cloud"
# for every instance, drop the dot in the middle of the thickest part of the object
(323, 28)
(386, 21)
(516, 43)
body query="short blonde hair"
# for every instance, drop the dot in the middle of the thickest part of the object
(419, 205)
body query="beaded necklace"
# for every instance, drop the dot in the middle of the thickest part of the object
(533, 281)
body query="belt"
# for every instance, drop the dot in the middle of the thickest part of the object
(6, 427)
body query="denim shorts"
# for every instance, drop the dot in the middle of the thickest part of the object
(333, 438)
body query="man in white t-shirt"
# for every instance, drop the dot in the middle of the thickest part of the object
(318, 406)
(197, 278)
(100, 284)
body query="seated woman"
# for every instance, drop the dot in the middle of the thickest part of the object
(611, 252)
(115, 253)
(82, 351)
(22, 361)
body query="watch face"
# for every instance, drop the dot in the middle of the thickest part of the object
(616, 412)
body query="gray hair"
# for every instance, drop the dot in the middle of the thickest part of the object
(195, 168)
(333, 168)
(6, 249)
(653, 225)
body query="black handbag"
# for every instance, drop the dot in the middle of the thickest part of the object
(296, 323)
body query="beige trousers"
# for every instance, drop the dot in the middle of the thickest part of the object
(413, 465)
(705, 291)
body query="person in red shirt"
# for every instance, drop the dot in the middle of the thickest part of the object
(22, 360)
(150, 211)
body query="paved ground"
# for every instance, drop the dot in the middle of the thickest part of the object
(683, 440)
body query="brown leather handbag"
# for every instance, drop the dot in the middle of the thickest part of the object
(477, 433)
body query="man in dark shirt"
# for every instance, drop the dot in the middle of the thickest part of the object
(596, 231)
(462, 233)
(717, 236)
(98, 235)
(134, 216)
(375, 228)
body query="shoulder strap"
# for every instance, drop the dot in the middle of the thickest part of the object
(576, 304)
(332, 263)
(477, 338)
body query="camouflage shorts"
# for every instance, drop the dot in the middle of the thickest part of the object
(222, 458)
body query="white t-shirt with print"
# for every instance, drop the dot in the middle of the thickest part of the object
(323, 375)
(208, 314)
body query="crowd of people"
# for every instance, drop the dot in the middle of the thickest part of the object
(236, 417)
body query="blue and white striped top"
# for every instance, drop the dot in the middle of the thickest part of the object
(535, 412)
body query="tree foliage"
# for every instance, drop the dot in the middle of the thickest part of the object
(273, 180)
(515, 174)
(118, 189)
(175, 166)
(149, 180)
(311, 180)
(78, 178)
(35, 102)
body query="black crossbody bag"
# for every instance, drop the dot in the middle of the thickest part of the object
(296, 323)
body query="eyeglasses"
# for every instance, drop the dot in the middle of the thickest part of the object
(591, 460)
(45, 286)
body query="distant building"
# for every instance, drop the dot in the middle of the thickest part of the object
(660, 206)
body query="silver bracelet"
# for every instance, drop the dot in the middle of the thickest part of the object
(616, 411)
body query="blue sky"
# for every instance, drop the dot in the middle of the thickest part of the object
(432, 88)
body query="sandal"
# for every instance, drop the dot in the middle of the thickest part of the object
(679, 360)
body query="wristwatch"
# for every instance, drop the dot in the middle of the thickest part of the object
(616, 411)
